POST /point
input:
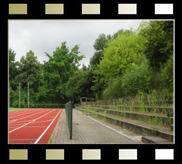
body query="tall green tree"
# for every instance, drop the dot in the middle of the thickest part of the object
(13, 71)
(56, 73)
(79, 85)
(120, 32)
(98, 79)
(121, 53)
(159, 45)
(23, 71)
(29, 71)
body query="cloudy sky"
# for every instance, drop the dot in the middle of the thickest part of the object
(42, 36)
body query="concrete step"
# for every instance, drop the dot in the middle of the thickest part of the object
(151, 118)
(155, 140)
(131, 102)
(145, 117)
(148, 109)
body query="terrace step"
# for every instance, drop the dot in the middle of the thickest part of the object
(137, 126)
(155, 140)
(144, 117)
(148, 109)
(160, 102)
(149, 103)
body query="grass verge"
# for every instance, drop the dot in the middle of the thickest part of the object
(15, 109)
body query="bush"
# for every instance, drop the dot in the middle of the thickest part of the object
(113, 89)
(167, 75)
(137, 78)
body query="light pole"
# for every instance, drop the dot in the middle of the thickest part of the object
(9, 96)
(28, 94)
(19, 96)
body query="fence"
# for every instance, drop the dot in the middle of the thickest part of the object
(47, 105)
(69, 111)
(86, 100)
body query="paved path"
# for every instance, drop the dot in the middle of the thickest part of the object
(88, 130)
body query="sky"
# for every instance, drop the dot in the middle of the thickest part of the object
(42, 36)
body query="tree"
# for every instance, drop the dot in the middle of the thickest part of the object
(98, 79)
(137, 78)
(29, 71)
(100, 42)
(99, 82)
(159, 45)
(167, 75)
(56, 73)
(79, 85)
(13, 71)
(120, 32)
(121, 53)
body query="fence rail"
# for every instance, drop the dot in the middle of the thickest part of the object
(39, 105)
(47, 105)
(69, 114)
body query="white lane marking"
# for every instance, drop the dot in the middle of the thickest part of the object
(44, 121)
(46, 129)
(32, 126)
(29, 122)
(19, 113)
(29, 112)
(12, 113)
(22, 139)
(25, 117)
(23, 113)
(119, 132)
(19, 122)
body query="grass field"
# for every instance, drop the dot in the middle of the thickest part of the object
(14, 109)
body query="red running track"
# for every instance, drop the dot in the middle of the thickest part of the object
(32, 126)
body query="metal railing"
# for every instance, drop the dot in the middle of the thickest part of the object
(69, 114)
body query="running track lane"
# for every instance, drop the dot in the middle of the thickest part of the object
(33, 126)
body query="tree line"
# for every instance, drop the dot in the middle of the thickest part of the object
(124, 64)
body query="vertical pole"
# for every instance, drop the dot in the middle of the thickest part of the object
(19, 96)
(9, 96)
(71, 110)
(28, 94)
